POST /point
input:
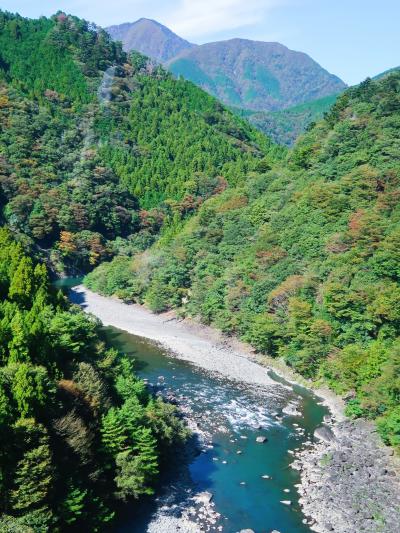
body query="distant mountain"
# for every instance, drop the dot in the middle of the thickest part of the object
(259, 80)
(150, 38)
(286, 125)
(255, 75)
(385, 73)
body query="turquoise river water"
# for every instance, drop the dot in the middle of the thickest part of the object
(230, 415)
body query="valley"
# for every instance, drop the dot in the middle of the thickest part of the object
(229, 400)
(199, 319)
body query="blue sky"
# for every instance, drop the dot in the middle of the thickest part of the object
(351, 38)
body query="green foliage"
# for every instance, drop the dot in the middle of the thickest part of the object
(389, 427)
(286, 125)
(56, 54)
(137, 466)
(67, 405)
(302, 259)
(31, 389)
(88, 169)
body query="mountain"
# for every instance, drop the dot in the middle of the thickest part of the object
(105, 147)
(301, 259)
(150, 38)
(246, 75)
(385, 73)
(255, 75)
(286, 125)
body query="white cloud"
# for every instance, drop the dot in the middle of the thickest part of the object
(193, 18)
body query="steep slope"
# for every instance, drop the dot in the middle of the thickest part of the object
(150, 38)
(286, 125)
(101, 147)
(385, 73)
(302, 261)
(255, 75)
(81, 434)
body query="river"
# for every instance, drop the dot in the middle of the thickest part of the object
(231, 464)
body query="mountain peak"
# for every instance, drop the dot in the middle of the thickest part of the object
(150, 38)
(255, 75)
(242, 73)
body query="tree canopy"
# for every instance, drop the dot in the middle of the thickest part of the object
(301, 258)
(79, 432)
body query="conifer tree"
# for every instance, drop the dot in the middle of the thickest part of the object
(113, 432)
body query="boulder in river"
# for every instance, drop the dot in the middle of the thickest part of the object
(286, 502)
(246, 531)
(291, 410)
(203, 497)
(324, 433)
(261, 439)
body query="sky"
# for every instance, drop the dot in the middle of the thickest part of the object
(350, 38)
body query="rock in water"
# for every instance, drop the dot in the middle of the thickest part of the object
(291, 409)
(286, 502)
(203, 497)
(246, 531)
(261, 439)
(324, 433)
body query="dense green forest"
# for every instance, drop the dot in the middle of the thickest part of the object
(301, 260)
(79, 432)
(286, 125)
(107, 156)
(96, 146)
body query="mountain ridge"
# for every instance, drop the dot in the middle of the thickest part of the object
(251, 74)
(163, 45)
(255, 75)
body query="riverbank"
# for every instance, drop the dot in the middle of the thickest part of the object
(200, 345)
(349, 480)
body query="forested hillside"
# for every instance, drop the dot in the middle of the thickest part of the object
(96, 146)
(255, 75)
(79, 432)
(286, 126)
(301, 260)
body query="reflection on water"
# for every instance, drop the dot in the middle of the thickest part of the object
(231, 464)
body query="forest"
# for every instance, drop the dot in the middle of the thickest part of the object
(109, 165)
(81, 435)
(69, 404)
(300, 260)
(83, 166)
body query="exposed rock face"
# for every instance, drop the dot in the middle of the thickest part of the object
(350, 483)
(150, 38)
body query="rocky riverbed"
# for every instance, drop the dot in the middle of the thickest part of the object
(350, 481)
